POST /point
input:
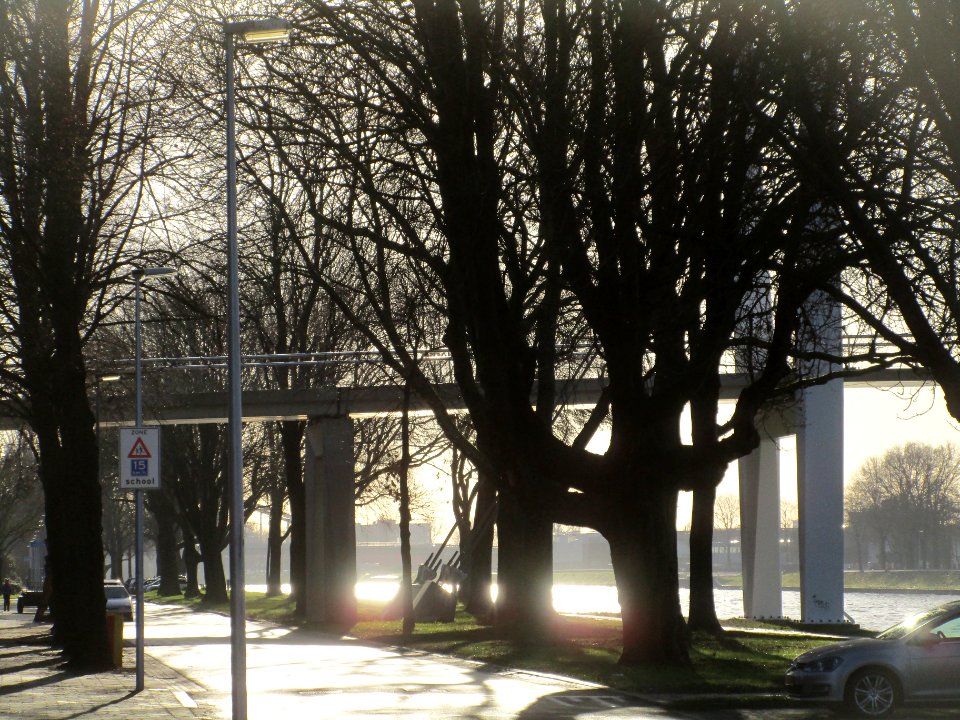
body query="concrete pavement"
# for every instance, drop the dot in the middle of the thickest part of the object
(298, 673)
(34, 686)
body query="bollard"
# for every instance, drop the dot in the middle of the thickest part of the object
(115, 638)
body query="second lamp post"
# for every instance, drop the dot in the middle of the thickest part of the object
(138, 276)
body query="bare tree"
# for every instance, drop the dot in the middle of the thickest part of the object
(908, 501)
(78, 105)
(726, 512)
(789, 514)
(547, 173)
(726, 517)
(876, 134)
(21, 498)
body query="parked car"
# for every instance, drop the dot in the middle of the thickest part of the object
(28, 598)
(150, 584)
(118, 599)
(916, 660)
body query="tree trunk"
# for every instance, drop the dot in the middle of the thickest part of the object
(703, 612)
(479, 556)
(213, 575)
(643, 548)
(116, 557)
(167, 561)
(72, 496)
(191, 559)
(291, 438)
(524, 564)
(275, 539)
(113, 540)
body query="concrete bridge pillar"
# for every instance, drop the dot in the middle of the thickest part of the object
(760, 531)
(818, 422)
(820, 500)
(820, 472)
(331, 551)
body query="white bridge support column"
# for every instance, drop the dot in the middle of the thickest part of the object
(820, 500)
(760, 531)
(331, 547)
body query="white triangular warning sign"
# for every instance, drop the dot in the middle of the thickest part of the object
(139, 450)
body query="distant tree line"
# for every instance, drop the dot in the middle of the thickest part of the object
(21, 503)
(906, 504)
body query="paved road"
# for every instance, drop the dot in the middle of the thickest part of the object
(300, 674)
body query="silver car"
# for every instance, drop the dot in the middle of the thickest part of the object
(118, 599)
(919, 659)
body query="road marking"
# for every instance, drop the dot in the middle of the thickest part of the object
(184, 698)
(581, 701)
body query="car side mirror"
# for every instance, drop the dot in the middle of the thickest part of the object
(925, 639)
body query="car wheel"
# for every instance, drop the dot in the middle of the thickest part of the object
(872, 692)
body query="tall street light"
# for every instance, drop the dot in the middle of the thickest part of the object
(138, 275)
(100, 379)
(262, 30)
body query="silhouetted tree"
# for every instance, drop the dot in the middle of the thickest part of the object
(872, 92)
(21, 498)
(543, 174)
(78, 104)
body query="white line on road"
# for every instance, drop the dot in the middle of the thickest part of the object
(184, 698)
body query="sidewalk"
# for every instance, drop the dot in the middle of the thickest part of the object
(33, 686)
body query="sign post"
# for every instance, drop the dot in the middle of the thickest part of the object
(139, 470)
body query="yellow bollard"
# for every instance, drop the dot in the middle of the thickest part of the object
(115, 638)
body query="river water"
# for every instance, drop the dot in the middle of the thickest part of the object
(871, 610)
(874, 611)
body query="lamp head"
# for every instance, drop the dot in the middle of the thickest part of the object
(140, 273)
(264, 30)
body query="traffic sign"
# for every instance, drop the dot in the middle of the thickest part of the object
(140, 459)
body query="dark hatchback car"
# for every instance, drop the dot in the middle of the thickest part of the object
(916, 660)
(28, 598)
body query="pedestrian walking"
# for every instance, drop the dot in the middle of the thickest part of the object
(7, 592)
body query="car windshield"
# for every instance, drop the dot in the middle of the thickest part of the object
(909, 624)
(114, 591)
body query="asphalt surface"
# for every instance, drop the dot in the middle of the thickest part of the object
(295, 674)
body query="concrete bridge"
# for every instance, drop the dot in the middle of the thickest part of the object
(816, 418)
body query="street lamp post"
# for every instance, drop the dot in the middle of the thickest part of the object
(100, 379)
(262, 30)
(138, 275)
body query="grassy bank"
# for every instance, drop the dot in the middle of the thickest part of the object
(584, 577)
(585, 648)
